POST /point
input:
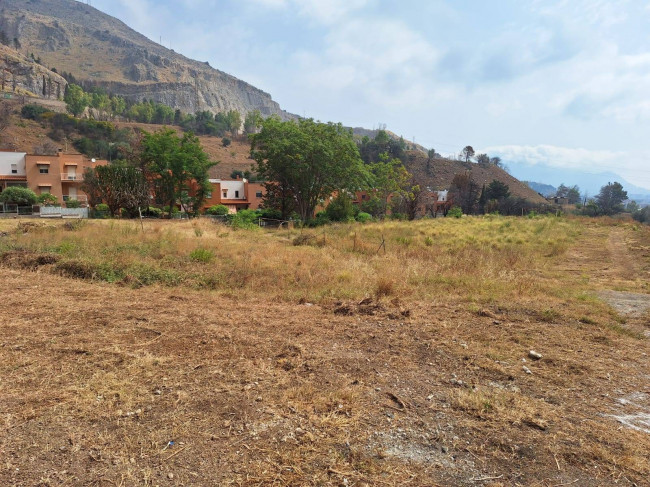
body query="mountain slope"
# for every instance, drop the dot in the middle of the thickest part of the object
(73, 37)
(442, 173)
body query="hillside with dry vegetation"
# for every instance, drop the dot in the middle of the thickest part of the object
(439, 173)
(191, 353)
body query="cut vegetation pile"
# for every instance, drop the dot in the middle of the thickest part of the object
(196, 354)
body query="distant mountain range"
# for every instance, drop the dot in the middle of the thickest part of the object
(546, 177)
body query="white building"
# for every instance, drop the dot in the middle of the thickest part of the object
(12, 169)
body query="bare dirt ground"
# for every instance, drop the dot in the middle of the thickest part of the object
(105, 385)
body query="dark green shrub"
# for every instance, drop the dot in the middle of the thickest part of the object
(217, 210)
(33, 112)
(73, 204)
(17, 195)
(455, 212)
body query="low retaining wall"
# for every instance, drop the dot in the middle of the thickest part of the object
(58, 212)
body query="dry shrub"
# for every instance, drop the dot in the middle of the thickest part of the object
(385, 287)
(304, 239)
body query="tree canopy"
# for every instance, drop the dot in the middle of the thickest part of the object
(178, 168)
(76, 100)
(307, 161)
(17, 195)
(610, 199)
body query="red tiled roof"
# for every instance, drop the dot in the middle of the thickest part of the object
(6, 177)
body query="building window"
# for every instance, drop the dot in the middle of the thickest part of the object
(44, 169)
(14, 169)
(363, 196)
(236, 194)
(208, 195)
(225, 193)
(258, 194)
(44, 190)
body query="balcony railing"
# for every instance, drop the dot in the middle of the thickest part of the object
(71, 177)
(80, 198)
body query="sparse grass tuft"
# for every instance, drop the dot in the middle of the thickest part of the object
(201, 255)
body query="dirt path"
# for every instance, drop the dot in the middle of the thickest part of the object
(617, 269)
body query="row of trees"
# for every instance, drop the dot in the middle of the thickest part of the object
(163, 169)
(305, 162)
(104, 106)
(494, 197)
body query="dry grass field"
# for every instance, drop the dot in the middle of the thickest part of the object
(190, 353)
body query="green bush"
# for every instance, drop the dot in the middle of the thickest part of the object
(17, 195)
(225, 142)
(153, 212)
(217, 210)
(73, 204)
(455, 212)
(201, 255)
(321, 219)
(340, 209)
(243, 219)
(363, 217)
(102, 207)
(33, 112)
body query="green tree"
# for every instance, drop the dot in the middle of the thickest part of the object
(610, 199)
(464, 192)
(101, 103)
(76, 100)
(431, 154)
(389, 177)
(497, 190)
(178, 166)
(483, 160)
(572, 193)
(340, 208)
(408, 201)
(252, 121)
(468, 152)
(119, 186)
(17, 195)
(233, 119)
(118, 106)
(307, 161)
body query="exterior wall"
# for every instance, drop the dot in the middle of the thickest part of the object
(44, 183)
(232, 190)
(65, 175)
(7, 159)
(256, 192)
(233, 194)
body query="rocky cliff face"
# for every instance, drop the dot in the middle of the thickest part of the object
(99, 49)
(21, 75)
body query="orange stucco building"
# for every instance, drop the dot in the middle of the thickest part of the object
(60, 175)
(236, 194)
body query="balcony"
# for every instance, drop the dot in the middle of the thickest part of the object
(71, 177)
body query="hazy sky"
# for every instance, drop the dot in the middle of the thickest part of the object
(558, 82)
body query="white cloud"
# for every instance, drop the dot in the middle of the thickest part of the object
(629, 164)
(324, 12)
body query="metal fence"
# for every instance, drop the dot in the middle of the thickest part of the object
(13, 210)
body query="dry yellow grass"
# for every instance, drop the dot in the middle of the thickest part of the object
(405, 370)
